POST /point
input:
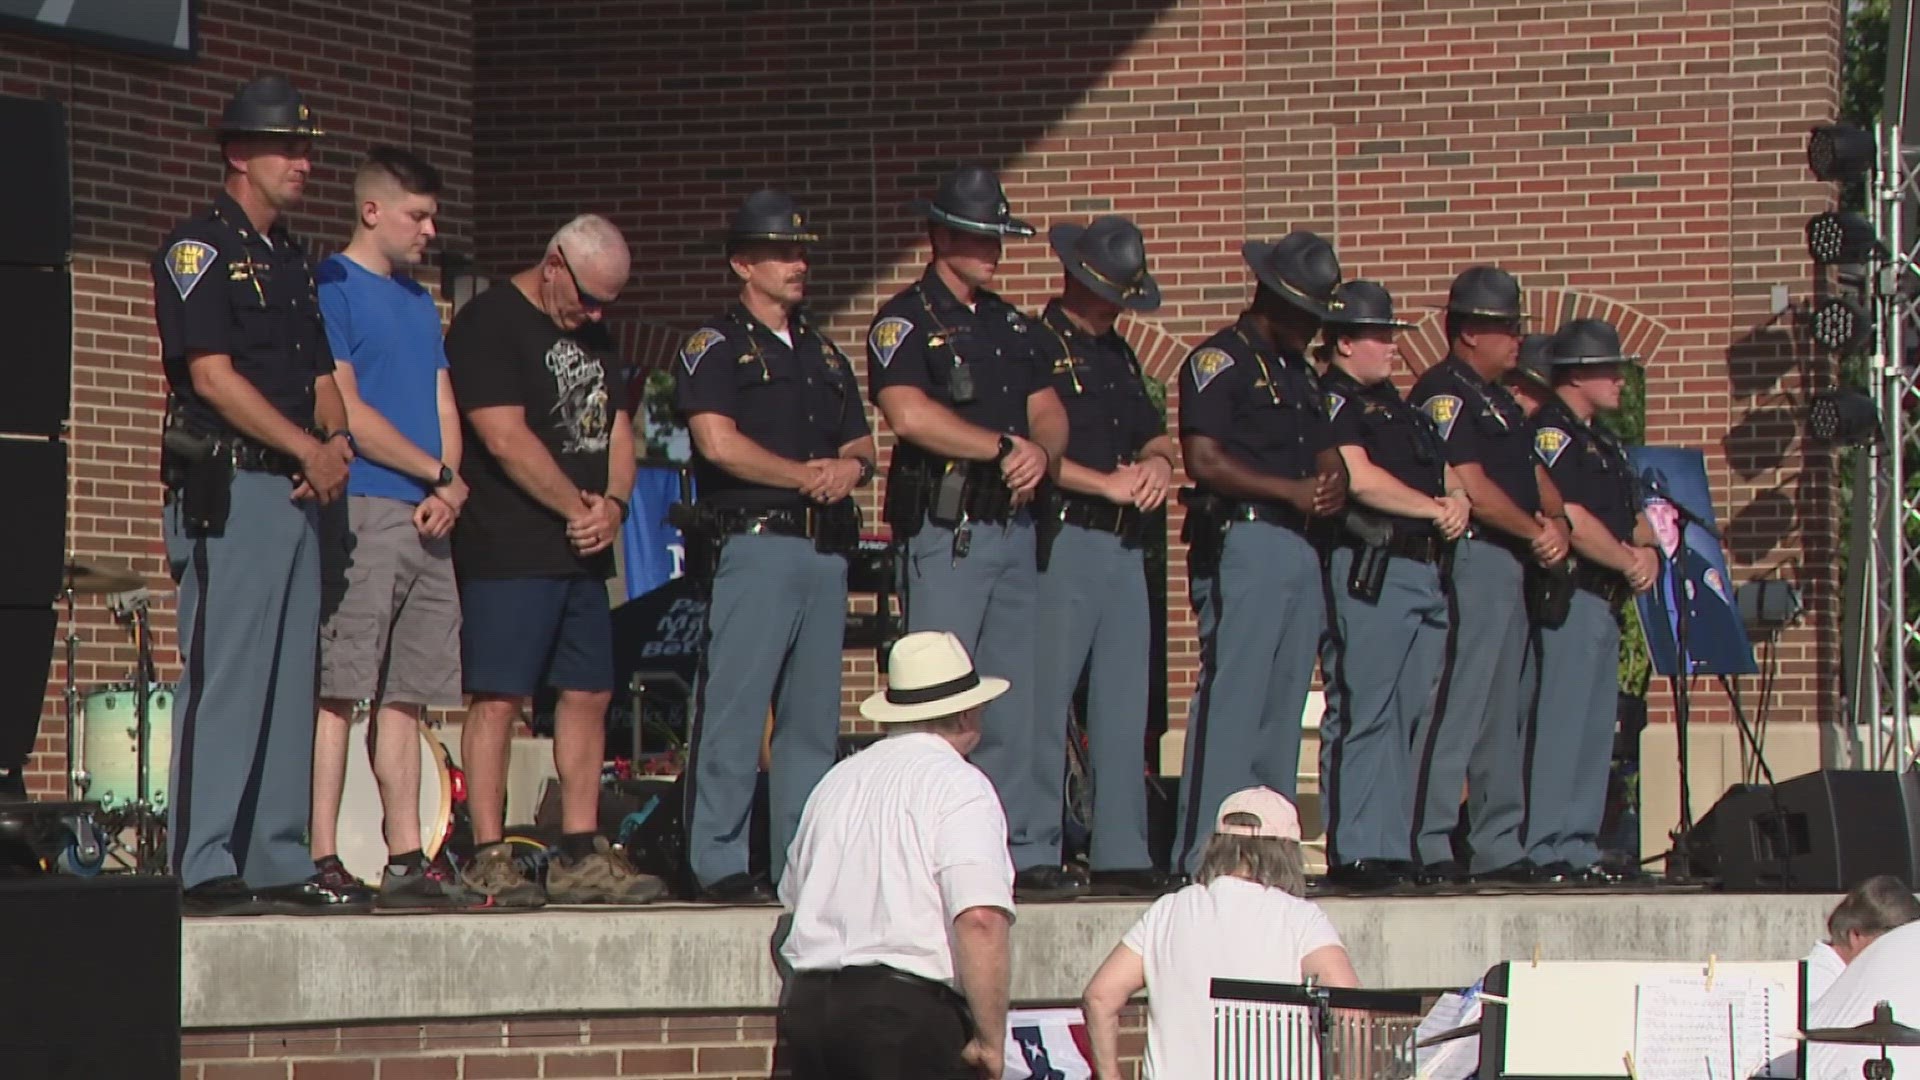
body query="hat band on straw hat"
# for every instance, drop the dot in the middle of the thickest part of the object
(925, 694)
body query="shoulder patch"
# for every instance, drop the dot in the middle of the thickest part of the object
(187, 262)
(1443, 410)
(886, 337)
(1207, 364)
(1335, 402)
(697, 346)
(1550, 443)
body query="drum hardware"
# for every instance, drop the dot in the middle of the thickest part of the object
(130, 607)
(1882, 1031)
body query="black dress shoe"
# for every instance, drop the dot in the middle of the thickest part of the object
(1049, 883)
(1518, 872)
(1147, 882)
(313, 897)
(739, 889)
(1555, 873)
(1368, 875)
(1441, 875)
(1599, 875)
(226, 895)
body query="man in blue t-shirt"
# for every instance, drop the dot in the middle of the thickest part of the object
(390, 631)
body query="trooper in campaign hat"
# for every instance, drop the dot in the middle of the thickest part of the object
(1093, 613)
(1574, 713)
(956, 370)
(1474, 727)
(971, 200)
(269, 105)
(1531, 380)
(759, 380)
(233, 287)
(1387, 624)
(1254, 436)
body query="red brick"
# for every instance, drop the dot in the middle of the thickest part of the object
(656, 1062)
(500, 1066)
(420, 1068)
(195, 1045)
(244, 1070)
(593, 1063)
(543, 1032)
(729, 1059)
(625, 1029)
(371, 1039)
(333, 1070)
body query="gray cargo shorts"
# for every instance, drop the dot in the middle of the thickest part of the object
(390, 611)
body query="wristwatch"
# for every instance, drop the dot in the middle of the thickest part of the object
(1007, 446)
(866, 472)
(445, 477)
(343, 433)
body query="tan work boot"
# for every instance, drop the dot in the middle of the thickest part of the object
(604, 877)
(496, 875)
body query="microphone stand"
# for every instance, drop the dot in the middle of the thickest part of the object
(1680, 857)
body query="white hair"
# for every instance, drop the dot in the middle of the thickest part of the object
(590, 238)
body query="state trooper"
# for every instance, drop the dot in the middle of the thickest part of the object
(1474, 733)
(255, 440)
(780, 442)
(957, 373)
(1093, 589)
(1579, 665)
(1387, 607)
(1255, 438)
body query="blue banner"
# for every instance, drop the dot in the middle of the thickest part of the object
(654, 551)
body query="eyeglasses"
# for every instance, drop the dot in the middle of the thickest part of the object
(587, 299)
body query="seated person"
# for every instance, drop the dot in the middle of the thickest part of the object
(1242, 918)
(1882, 970)
(1872, 908)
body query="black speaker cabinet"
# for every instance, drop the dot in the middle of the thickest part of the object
(36, 487)
(66, 939)
(36, 189)
(26, 657)
(39, 346)
(1823, 832)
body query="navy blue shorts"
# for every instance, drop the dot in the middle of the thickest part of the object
(519, 634)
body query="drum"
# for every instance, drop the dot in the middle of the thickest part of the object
(361, 833)
(113, 754)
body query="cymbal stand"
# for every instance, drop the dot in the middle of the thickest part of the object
(77, 779)
(147, 856)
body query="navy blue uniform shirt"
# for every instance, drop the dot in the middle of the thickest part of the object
(1109, 415)
(1588, 466)
(1481, 424)
(799, 401)
(219, 286)
(1396, 436)
(1264, 406)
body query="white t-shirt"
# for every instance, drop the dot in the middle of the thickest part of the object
(1823, 967)
(894, 843)
(1229, 928)
(1884, 971)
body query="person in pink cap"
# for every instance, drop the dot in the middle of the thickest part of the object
(1242, 918)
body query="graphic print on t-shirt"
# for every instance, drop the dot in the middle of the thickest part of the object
(580, 398)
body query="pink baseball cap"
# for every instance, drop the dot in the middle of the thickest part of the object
(1276, 815)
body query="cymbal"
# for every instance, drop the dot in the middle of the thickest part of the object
(100, 578)
(1880, 1031)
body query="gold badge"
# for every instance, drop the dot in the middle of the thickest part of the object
(1550, 443)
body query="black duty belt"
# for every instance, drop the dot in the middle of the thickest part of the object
(1608, 585)
(1419, 546)
(1272, 513)
(1126, 522)
(249, 456)
(807, 522)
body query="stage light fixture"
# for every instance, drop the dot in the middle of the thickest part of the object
(1835, 238)
(1841, 325)
(1840, 152)
(1844, 417)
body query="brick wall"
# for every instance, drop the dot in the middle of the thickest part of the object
(1639, 159)
(141, 159)
(734, 1045)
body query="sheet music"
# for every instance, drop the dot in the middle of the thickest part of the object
(1684, 1031)
(1459, 1058)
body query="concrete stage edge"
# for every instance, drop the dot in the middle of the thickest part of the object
(274, 971)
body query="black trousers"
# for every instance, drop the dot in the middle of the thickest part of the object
(874, 1023)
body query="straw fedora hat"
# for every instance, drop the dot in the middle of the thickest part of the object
(929, 675)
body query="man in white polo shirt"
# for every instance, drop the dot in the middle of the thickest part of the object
(901, 889)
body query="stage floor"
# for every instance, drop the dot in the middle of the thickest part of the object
(265, 971)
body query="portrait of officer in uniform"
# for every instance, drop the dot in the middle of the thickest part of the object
(1093, 586)
(1255, 438)
(256, 440)
(1386, 604)
(1688, 582)
(1473, 733)
(780, 441)
(1570, 749)
(958, 375)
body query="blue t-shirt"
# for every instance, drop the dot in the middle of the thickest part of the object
(389, 330)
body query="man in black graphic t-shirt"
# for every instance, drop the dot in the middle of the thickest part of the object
(549, 462)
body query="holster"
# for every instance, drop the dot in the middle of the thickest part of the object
(837, 528)
(907, 499)
(198, 474)
(1205, 529)
(1367, 578)
(1549, 594)
(1047, 525)
(700, 530)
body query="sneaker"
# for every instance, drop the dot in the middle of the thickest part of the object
(604, 877)
(500, 880)
(433, 887)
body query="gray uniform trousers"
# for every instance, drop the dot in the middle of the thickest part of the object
(775, 627)
(988, 600)
(1093, 617)
(1571, 751)
(1260, 619)
(1473, 732)
(249, 634)
(1380, 662)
